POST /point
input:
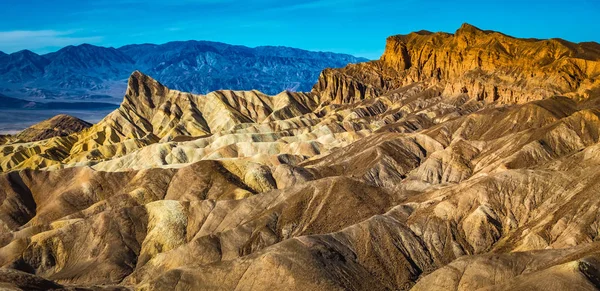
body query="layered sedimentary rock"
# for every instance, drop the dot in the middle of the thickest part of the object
(382, 178)
(485, 65)
(150, 113)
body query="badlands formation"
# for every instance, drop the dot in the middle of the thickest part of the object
(59, 125)
(455, 162)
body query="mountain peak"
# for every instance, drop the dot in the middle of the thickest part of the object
(84, 48)
(144, 91)
(86, 45)
(22, 65)
(24, 52)
(466, 28)
(27, 55)
(137, 77)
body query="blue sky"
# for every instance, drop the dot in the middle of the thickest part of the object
(357, 27)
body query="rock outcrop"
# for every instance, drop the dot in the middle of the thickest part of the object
(485, 65)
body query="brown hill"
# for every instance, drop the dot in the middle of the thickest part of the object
(59, 125)
(385, 177)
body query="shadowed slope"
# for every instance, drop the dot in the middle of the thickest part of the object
(60, 125)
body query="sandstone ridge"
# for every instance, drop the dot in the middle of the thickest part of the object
(486, 65)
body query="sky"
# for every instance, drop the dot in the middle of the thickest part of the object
(357, 27)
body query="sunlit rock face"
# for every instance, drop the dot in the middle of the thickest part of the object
(455, 162)
(485, 65)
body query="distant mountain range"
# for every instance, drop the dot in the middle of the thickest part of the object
(88, 72)
(14, 103)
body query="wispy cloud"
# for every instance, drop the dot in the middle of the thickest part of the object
(38, 40)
